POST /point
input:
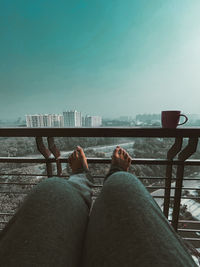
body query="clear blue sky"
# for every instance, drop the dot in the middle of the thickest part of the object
(101, 57)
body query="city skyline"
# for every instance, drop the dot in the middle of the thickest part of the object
(70, 118)
(192, 116)
(110, 58)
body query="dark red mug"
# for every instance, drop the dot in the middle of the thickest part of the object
(170, 118)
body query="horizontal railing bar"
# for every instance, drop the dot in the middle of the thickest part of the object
(192, 179)
(148, 187)
(155, 178)
(100, 132)
(181, 197)
(187, 188)
(102, 160)
(189, 230)
(187, 179)
(24, 193)
(45, 175)
(94, 176)
(15, 183)
(6, 213)
(13, 192)
(191, 239)
(163, 187)
(187, 221)
(180, 230)
(22, 174)
(151, 177)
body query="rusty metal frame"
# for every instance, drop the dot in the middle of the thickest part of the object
(54, 150)
(188, 151)
(172, 152)
(46, 153)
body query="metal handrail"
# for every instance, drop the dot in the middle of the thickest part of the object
(136, 161)
(137, 132)
(100, 132)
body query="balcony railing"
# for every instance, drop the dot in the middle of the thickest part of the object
(51, 155)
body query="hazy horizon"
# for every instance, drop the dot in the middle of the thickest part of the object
(107, 58)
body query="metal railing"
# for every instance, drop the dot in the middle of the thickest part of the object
(183, 155)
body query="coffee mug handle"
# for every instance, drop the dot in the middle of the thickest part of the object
(186, 119)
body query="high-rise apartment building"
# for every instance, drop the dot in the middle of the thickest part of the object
(44, 120)
(93, 121)
(72, 118)
(34, 120)
(83, 121)
(57, 120)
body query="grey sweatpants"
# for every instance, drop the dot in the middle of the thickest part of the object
(126, 227)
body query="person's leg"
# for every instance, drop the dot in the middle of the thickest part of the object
(49, 228)
(127, 228)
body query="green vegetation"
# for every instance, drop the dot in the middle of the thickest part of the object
(22, 146)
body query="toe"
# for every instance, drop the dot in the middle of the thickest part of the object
(74, 155)
(77, 154)
(116, 151)
(80, 151)
(120, 152)
(123, 152)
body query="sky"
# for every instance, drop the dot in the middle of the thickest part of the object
(108, 58)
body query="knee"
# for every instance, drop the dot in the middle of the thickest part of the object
(119, 179)
(124, 186)
(52, 185)
(121, 183)
(52, 190)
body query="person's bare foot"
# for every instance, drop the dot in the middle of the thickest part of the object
(78, 160)
(120, 159)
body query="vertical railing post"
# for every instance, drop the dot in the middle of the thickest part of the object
(184, 154)
(54, 150)
(173, 151)
(46, 153)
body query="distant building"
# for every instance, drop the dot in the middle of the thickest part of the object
(83, 121)
(33, 120)
(44, 120)
(93, 121)
(124, 118)
(57, 120)
(72, 118)
(148, 119)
